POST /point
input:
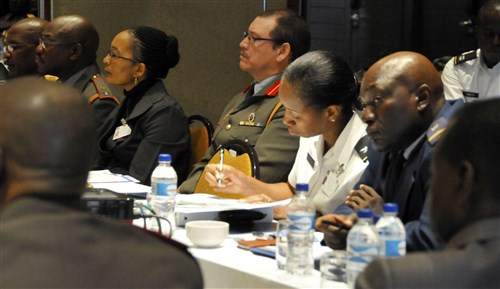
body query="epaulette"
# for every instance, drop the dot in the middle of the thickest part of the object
(466, 56)
(52, 78)
(436, 129)
(102, 89)
(362, 148)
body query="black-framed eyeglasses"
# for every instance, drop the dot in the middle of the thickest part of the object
(12, 47)
(44, 43)
(253, 39)
(116, 56)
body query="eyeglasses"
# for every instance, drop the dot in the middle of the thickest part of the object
(253, 39)
(44, 43)
(116, 56)
(11, 47)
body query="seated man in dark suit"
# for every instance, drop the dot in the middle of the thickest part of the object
(405, 112)
(464, 211)
(46, 241)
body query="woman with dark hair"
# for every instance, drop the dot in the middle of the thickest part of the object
(318, 91)
(149, 121)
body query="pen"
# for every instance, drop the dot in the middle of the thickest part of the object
(340, 226)
(221, 163)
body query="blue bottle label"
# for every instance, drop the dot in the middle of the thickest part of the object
(395, 248)
(301, 222)
(166, 189)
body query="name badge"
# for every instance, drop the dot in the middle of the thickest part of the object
(122, 131)
(310, 160)
(469, 95)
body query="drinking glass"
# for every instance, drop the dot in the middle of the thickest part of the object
(333, 268)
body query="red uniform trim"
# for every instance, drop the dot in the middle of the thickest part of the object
(272, 91)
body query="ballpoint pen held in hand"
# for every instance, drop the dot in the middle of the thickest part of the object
(221, 163)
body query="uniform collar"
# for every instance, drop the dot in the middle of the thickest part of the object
(271, 91)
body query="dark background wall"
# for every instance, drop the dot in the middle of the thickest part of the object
(362, 30)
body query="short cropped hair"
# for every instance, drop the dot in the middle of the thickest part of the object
(291, 28)
(474, 136)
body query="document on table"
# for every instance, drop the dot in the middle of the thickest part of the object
(207, 202)
(122, 184)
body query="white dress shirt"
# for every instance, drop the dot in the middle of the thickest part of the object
(471, 79)
(333, 175)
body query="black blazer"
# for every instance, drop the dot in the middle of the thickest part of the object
(158, 125)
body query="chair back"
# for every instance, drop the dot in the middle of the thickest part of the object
(201, 131)
(245, 160)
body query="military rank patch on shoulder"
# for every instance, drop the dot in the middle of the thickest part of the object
(464, 57)
(102, 89)
(362, 148)
(436, 129)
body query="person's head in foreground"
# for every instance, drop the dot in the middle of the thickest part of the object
(47, 139)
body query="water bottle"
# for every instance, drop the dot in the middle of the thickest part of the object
(363, 244)
(163, 189)
(392, 232)
(300, 215)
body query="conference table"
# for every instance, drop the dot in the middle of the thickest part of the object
(228, 266)
(225, 266)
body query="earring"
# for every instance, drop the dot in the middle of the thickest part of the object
(332, 120)
(136, 81)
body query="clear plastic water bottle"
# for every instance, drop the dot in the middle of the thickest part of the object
(363, 244)
(300, 214)
(392, 232)
(163, 189)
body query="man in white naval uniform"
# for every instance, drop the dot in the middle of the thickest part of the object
(476, 74)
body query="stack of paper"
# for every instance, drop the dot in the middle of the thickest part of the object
(123, 184)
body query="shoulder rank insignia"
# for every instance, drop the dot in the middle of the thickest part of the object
(102, 89)
(52, 78)
(464, 57)
(362, 148)
(436, 129)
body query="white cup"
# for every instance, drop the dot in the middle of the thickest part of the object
(207, 234)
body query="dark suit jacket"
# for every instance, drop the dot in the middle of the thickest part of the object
(275, 147)
(158, 125)
(470, 260)
(412, 190)
(103, 105)
(48, 244)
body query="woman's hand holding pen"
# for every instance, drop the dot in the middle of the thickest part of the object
(225, 178)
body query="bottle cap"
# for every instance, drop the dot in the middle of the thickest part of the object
(364, 213)
(164, 158)
(390, 207)
(302, 187)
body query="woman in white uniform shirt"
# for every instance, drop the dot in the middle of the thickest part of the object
(318, 91)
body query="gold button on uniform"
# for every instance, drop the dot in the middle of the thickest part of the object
(228, 127)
